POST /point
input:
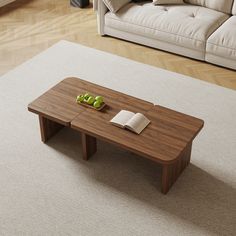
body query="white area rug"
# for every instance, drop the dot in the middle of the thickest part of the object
(49, 190)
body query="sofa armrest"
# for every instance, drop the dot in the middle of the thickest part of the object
(101, 9)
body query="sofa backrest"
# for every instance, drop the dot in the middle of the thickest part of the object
(218, 5)
(234, 8)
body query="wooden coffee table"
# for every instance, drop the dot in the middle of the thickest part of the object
(167, 140)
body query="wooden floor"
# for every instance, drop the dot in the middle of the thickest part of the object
(29, 26)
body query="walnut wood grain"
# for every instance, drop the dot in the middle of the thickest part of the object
(171, 172)
(58, 104)
(167, 140)
(162, 141)
(89, 146)
(48, 128)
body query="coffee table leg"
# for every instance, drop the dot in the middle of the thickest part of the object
(48, 128)
(89, 145)
(170, 173)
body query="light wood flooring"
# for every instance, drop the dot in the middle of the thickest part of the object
(29, 26)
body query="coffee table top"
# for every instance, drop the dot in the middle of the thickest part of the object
(162, 141)
(58, 103)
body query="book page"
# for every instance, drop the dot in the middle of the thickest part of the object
(137, 123)
(122, 118)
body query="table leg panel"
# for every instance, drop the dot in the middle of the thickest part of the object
(89, 145)
(171, 172)
(48, 128)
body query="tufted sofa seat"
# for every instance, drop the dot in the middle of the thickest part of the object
(191, 30)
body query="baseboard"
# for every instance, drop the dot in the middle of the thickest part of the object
(5, 2)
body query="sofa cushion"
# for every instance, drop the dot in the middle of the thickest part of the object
(219, 5)
(234, 8)
(161, 2)
(114, 5)
(182, 25)
(222, 43)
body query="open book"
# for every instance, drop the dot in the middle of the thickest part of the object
(129, 120)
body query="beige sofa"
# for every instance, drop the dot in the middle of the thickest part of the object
(200, 29)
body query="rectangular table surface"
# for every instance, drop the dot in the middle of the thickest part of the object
(162, 141)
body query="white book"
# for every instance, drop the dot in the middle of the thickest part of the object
(135, 122)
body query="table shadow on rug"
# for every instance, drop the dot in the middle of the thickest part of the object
(196, 197)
